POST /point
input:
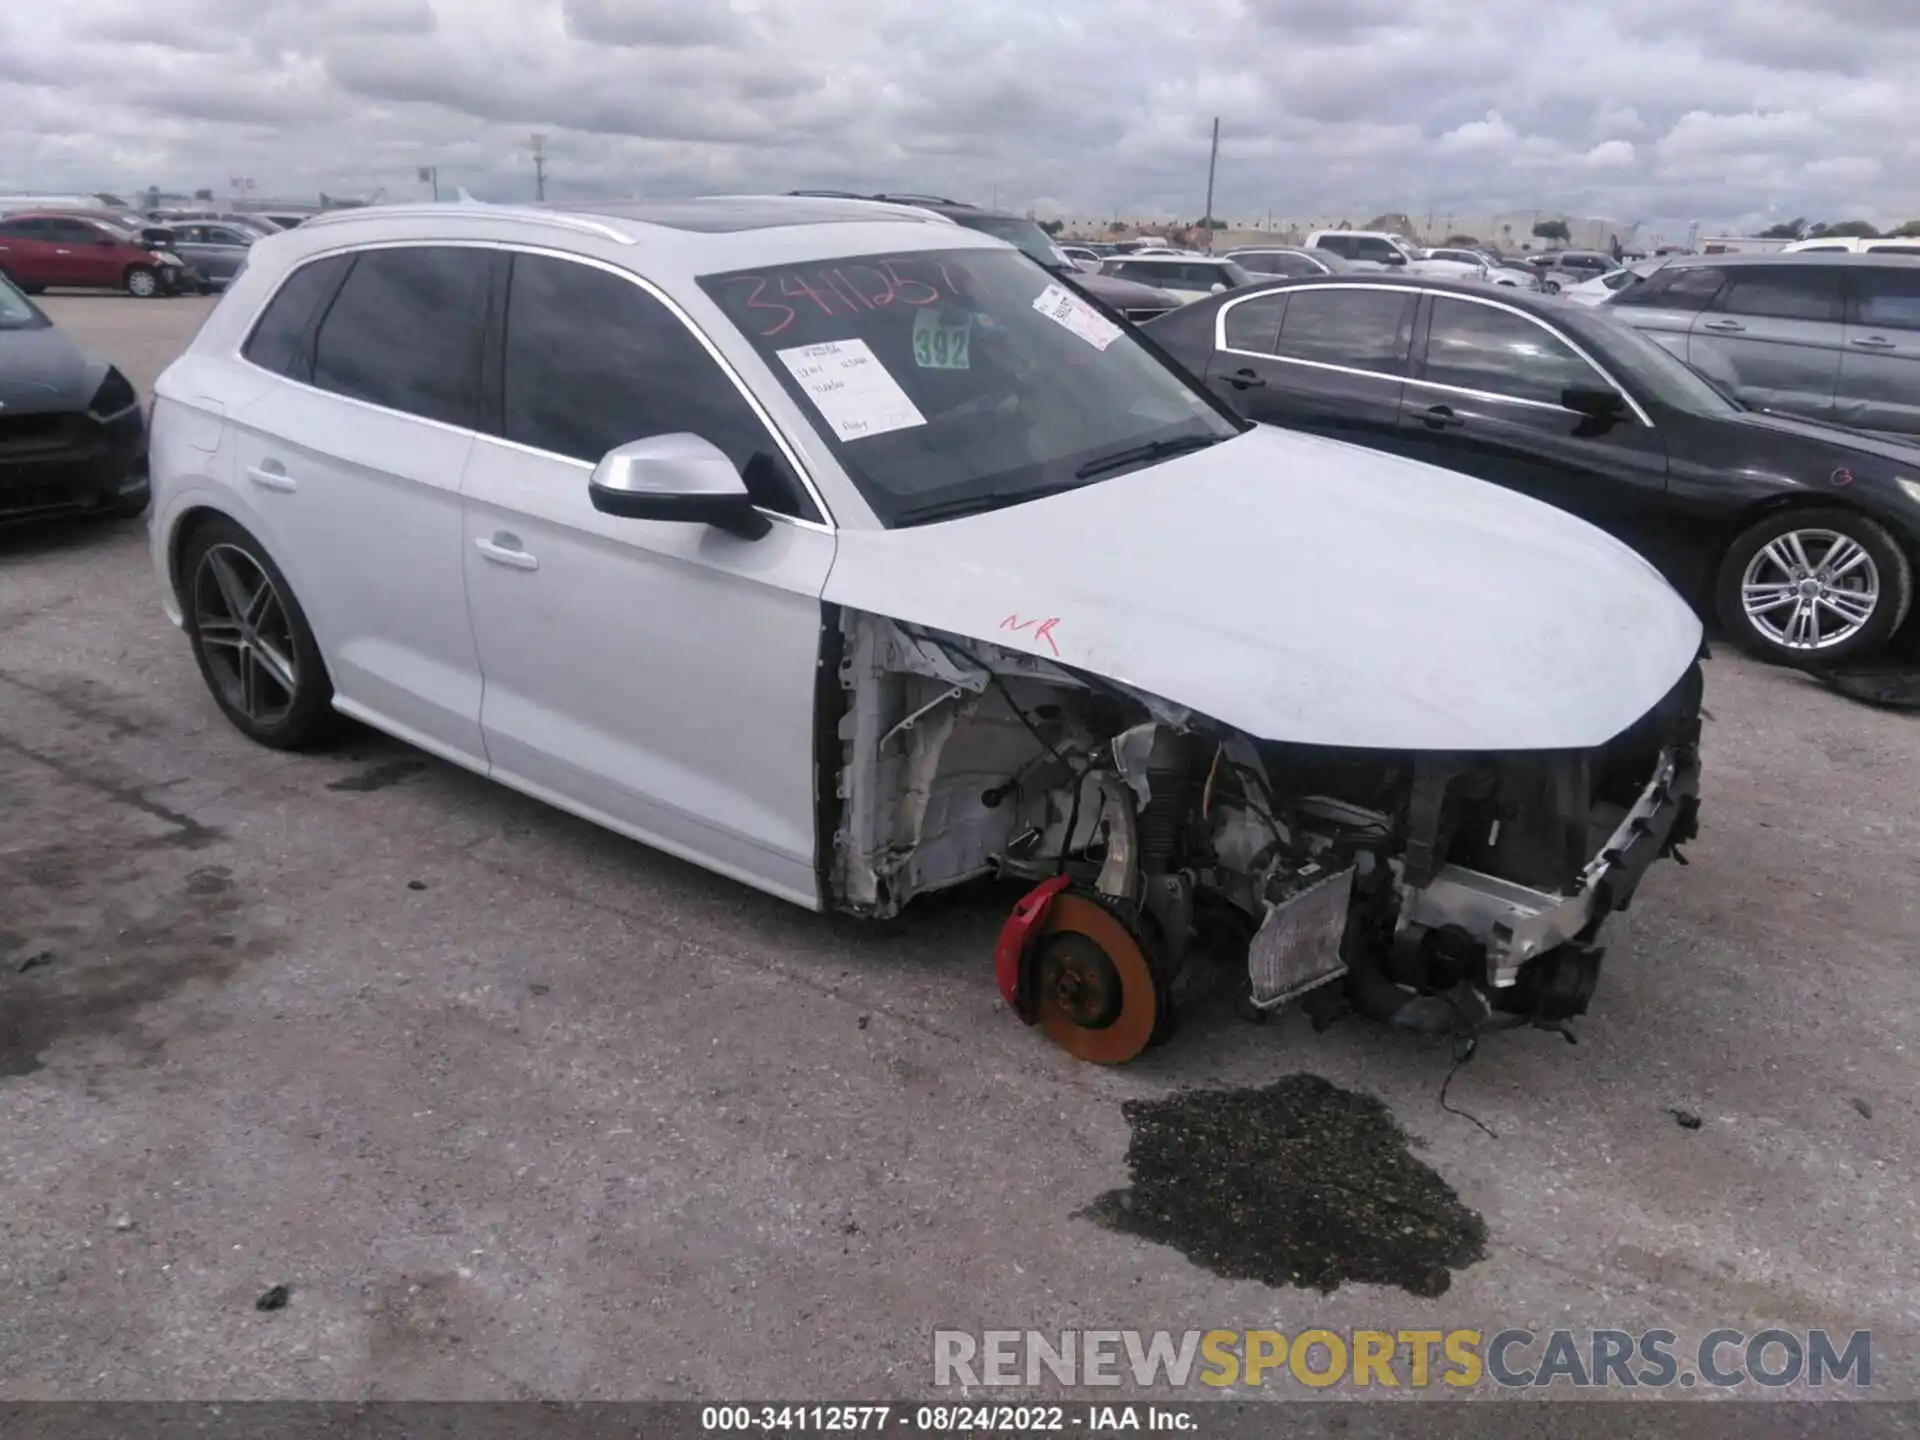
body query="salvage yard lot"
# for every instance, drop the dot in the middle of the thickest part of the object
(519, 1108)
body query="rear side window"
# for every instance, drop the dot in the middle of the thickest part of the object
(404, 332)
(1476, 347)
(1886, 299)
(1799, 292)
(282, 339)
(1255, 324)
(594, 362)
(1360, 329)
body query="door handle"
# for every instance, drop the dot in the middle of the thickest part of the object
(1874, 342)
(271, 476)
(504, 549)
(1245, 380)
(1441, 417)
(1725, 327)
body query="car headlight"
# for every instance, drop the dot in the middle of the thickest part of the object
(115, 396)
(1912, 487)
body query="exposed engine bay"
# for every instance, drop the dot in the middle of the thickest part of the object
(1439, 892)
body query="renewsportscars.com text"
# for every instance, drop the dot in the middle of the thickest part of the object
(1404, 1359)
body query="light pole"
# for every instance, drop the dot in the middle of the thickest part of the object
(539, 167)
(1213, 158)
(430, 175)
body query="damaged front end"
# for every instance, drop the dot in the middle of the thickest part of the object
(1447, 892)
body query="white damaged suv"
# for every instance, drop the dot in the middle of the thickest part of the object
(852, 554)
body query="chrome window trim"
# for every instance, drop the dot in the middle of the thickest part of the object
(825, 525)
(1220, 339)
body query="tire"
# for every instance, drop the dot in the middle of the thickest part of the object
(1852, 614)
(141, 281)
(248, 666)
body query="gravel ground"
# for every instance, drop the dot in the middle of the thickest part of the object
(517, 1108)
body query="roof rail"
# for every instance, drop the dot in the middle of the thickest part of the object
(907, 197)
(474, 210)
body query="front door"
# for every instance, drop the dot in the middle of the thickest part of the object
(1328, 359)
(350, 453)
(655, 677)
(1776, 330)
(1880, 363)
(89, 255)
(1485, 399)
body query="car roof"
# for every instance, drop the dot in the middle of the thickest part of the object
(1855, 259)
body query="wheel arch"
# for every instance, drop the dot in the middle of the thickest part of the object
(1740, 521)
(196, 518)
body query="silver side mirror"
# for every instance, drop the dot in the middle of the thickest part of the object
(678, 477)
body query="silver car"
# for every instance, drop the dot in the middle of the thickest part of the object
(214, 251)
(1831, 337)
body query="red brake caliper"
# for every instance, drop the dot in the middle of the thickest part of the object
(1016, 940)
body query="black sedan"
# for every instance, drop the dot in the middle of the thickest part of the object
(72, 438)
(1800, 535)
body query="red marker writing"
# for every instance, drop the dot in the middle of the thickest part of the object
(1042, 629)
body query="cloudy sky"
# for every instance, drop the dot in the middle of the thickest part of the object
(1666, 111)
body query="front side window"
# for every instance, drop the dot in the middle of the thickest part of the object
(957, 380)
(282, 339)
(1782, 292)
(404, 332)
(1688, 288)
(1357, 329)
(593, 362)
(1254, 325)
(1478, 347)
(1888, 299)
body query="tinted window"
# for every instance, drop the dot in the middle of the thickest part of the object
(594, 362)
(1782, 292)
(282, 340)
(1896, 250)
(1687, 288)
(1281, 263)
(1477, 347)
(404, 332)
(1886, 298)
(32, 229)
(1255, 324)
(1340, 245)
(1357, 328)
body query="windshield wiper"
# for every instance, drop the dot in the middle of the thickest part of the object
(1141, 454)
(977, 504)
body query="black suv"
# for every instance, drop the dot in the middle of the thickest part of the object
(1135, 301)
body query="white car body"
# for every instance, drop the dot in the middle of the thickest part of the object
(1602, 287)
(468, 598)
(1178, 266)
(1857, 244)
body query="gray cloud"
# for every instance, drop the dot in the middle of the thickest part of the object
(1664, 111)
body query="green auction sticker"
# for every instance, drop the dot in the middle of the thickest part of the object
(937, 345)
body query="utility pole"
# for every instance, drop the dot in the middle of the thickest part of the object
(431, 173)
(539, 167)
(1213, 159)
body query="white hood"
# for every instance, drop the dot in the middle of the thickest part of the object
(1303, 590)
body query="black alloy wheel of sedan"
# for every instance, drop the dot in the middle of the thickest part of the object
(1799, 536)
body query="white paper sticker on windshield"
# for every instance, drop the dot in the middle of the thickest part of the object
(851, 389)
(1063, 307)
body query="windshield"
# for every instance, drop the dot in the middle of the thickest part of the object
(1026, 234)
(16, 311)
(960, 380)
(1662, 374)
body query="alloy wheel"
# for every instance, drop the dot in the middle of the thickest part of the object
(1810, 589)
(242, 627)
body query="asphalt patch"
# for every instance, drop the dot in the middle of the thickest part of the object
(1297, 1183)
(394, 772)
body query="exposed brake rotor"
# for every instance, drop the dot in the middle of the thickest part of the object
(1098, 997)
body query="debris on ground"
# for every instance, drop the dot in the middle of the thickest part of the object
(1685, 1119)
(536, 988)
(864, 1021)
(1888, 684)
(39, 960)
(274, 1299)
(1296, 1183)
(122, 1221)
(416, 884)
(1866, 1110)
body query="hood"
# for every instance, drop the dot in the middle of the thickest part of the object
(1123, 294)
(1832, 437)
(1304, 590)
(42, 370)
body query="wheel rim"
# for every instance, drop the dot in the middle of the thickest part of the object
(240, 624)
(1810, 589)
(141, 283)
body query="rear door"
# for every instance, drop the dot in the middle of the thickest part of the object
(29, 255)
(350, 452)
(1775, 332)
(1485, 399)
(1880, 364)
(1327, 359)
